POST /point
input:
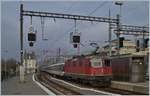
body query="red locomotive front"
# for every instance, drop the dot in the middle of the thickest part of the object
(89, 69)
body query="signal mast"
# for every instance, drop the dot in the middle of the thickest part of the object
(75, 39)
(31, 34)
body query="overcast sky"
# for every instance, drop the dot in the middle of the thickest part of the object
(133, 13)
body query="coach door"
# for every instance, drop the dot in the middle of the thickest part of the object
(138, 72)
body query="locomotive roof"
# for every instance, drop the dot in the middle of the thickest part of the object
(125, 55)
(56, 64)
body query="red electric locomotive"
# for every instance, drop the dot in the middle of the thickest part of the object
(89, 69)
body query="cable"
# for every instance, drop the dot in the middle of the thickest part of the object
(71, 6)
(101, 5)
(62, 35)
(42, 27)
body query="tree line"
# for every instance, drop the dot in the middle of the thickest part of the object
(9, 68)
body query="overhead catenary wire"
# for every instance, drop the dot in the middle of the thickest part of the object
(31, 26)
(31, 20)
(42, 27)
(71, 6)
(62, 35)
(101, 5)
(75, 22)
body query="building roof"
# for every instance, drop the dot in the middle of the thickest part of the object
(115, 41)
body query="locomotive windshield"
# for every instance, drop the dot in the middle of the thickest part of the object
(96, 63)
(106, 63)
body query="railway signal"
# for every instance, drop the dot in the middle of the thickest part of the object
(137, 46)
(31, 35)
(75, 38)
(31, 38)
(31, 44)
(146, 42)
(75, 45)
(121, 41)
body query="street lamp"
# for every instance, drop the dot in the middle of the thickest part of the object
(119, 3)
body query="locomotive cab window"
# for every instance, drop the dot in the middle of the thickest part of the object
(107, 63)
(96, 63)
(76, 39)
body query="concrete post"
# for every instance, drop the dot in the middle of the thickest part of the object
(22, 73)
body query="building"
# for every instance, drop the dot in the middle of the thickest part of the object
(29, 63)
(128, 47)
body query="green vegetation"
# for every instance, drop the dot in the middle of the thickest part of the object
(9, 68)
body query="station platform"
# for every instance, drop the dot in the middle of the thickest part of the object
(142, 87)
(13, 86)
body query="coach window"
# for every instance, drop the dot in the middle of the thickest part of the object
(107, 63)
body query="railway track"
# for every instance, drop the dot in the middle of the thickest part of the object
(119, 91)
(104, 89)
(55, 87)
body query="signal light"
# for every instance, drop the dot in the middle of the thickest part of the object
(76, 39)
(121, 42)
(137, 43)
(75, 45)
(137, 46)
(31, 37)
(31, 44)
(146, 42)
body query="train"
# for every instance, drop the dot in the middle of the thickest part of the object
(85, 69)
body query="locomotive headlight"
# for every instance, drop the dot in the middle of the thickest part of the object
(102, 70)
(140, 63)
